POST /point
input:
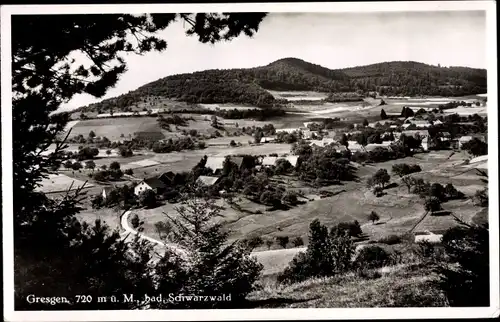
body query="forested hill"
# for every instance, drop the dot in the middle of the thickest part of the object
(249, 86)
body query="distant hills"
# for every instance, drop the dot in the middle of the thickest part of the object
(249, 86)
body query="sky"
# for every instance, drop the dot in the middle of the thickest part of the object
(333, 40)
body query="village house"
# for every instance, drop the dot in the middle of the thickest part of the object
(153, 184)
(467, 138)
(373, 146)
(106, 191)
(268, 139)
(269, 161)
(417, 122)
(429, 237)
(217, 163)
(167, 177)
(354, 146)
(207, 181)
(445, 136)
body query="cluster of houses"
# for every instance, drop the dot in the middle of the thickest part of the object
(421, 124)
(160, 183)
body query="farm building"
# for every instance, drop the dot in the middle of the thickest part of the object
(292, 159)
(154, 184)
(373, 146)
(429, 237)
(354, 146)
(167, 177)
(322, 143)
(207, 181)
(269, 161)
(268, 139)
(418, 123)
(445, 136)
(340, 148)
(217, 163)
(306, 124)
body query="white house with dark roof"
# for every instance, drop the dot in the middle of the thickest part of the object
(154, 184)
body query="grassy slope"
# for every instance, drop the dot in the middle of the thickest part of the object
(399, 286)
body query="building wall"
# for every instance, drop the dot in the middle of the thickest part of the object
(140, 188)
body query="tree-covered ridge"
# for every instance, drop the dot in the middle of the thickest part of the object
(414, 78)
(249, 86)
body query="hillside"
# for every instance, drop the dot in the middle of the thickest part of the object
(249, 86)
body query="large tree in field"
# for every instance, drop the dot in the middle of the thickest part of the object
(48, 239)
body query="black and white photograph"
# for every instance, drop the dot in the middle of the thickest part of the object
(183, 160)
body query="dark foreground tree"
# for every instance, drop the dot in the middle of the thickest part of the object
(328, 254)
(48, 239)
(204, 262)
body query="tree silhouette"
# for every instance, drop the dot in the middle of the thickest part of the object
(383, 115)
(373, 216)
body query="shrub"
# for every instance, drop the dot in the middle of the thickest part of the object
(269, 243)
(481, 198)
(452, 193)
(373, 217)
(97, 201)
(114, 165)
(76, 166)
(68, 164)
(378, 191)
(135, 221)
(381, 177)
(468, 283)
(129, 172)
(283, 241)
(353, 228)
(432, 204)
(368, 274)
(372, 257)
(255, 242)
(437, 191)
(297, 241)
(289, 198)
(328, 254)
(147, 198)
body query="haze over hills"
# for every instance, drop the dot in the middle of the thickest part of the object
(251, 85)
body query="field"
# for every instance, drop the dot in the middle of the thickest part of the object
(398, 286)
(60, 182)
(110, 217)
